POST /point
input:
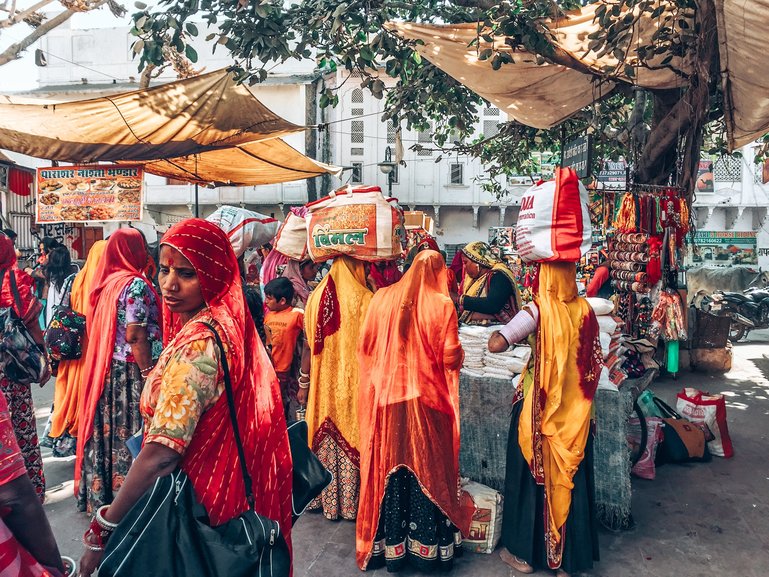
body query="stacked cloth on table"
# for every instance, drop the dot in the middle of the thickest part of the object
(479, 362)
(612, 343)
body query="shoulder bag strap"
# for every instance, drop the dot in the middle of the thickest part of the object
(16, 295)
(233, 417)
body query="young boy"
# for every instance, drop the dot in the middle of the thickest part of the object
(284, 325)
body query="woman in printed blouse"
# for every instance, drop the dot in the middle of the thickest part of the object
(185, 411)
(124, 313)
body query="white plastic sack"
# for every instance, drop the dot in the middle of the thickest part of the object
(245, 228)
(484, 506)
(600, 306)
(607, 324)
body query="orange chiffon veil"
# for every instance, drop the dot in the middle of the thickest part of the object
(410, 358)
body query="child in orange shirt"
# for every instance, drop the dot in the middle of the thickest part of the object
(284, 326)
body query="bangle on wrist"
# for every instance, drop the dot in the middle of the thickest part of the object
(102, 522)
(304, 385)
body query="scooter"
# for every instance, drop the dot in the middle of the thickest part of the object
(748, 310)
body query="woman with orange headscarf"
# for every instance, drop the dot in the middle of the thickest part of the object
(186, 416)
(549, 518)
(125, 314)
(69, 377)
(410, 358)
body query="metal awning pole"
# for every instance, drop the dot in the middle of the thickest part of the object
(197, 202)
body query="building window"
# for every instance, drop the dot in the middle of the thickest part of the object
(425, 138)
(357, 96)
(356, 132)
(491, 111)
(356, 151)
(490, 128)
(395, 174)
(356, 112)
(357, 173)
(456, 173)
(727, 169)
(390, 132)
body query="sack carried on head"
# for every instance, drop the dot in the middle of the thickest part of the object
(245, 228)
(710, 410)
(356, 222)
(554, 220)
(291, 239)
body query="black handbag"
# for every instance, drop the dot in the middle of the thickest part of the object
(21, 359)
(683, 440)
(167, 533)
(64, 334)
(310, 477)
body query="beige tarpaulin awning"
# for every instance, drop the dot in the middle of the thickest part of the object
(536, 95)
(186, 117)
(252, 164)
(742, 37)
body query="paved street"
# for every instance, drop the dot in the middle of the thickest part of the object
(694, 520)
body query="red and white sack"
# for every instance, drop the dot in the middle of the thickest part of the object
(291, 239)
(483, 505)
(357, 222)
(554, 220)
(709, 409)
(246, 228)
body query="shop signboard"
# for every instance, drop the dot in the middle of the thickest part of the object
(89, 193)
(613, 175)
(723, 248)
(705, 182)
(578, 154)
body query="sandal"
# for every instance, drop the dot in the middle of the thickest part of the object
(515, 562)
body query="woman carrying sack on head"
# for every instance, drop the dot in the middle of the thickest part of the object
(549, 518)
(124, 324)
(333, 319)
(186, 416)
(18, 395)
(490, 295)
(410, 358)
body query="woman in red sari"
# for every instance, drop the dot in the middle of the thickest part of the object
(184, 408)
(410, 358)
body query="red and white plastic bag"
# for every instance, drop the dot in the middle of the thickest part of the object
(245, 228)
(554, 220)
(357, 222)
(709, 409)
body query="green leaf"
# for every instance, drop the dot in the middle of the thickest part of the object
(190, 53)
(192, 30)
(138, 46)
(140, 5)
(629, 71)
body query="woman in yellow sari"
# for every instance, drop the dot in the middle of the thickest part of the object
(490, 293)
(333, 319)
(549, 518)
(70, 374)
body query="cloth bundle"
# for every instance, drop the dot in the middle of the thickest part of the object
(668, 317)
(480, 362)
(611, 337)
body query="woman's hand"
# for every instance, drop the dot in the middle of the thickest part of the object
(89, 562)
(301, 396)
(497, 343)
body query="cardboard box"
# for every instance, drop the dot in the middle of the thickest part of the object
(429, 225)
(414, 219)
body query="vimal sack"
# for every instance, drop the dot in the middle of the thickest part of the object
(357, 222)
(554, 220)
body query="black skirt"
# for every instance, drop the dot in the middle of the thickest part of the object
(523, 523)
(412, 530)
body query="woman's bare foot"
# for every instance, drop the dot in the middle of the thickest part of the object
(516, 563)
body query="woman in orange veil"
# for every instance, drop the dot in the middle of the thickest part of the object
(410, 358)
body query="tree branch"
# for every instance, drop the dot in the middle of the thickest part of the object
(12, 52)
(15, 17)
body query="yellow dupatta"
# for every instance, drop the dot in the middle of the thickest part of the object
(70, 373)
(555, 419)
(333, 318)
